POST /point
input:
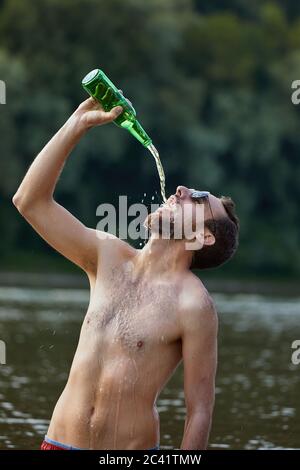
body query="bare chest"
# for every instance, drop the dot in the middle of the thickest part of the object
(134, 313)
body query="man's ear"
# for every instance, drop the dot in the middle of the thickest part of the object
(202, 239)
(209, 238)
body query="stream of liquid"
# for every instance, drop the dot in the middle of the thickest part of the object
(160, 170)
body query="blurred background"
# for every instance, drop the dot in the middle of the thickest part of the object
(211, 84)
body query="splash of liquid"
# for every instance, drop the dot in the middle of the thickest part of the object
(160, 170)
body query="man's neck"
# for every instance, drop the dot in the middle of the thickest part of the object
(161, 256)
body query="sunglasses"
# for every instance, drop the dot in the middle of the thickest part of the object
(200, 197)
(199, 194)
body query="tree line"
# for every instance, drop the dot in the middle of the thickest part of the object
(211, 83)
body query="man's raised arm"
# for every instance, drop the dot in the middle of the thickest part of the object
(34, 198)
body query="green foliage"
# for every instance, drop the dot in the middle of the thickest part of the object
(211, 82)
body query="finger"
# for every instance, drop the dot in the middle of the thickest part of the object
(114, 112)
(95, 104)
(96, 117)
(90, 104)
(86, 104)
(111, 115)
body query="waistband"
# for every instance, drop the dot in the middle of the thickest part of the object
(68, 447)
(59, 444)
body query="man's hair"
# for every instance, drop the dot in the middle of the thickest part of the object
(226, 232)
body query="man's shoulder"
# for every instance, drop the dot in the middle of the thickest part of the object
(194, 293)
(112, 250)
(195, 303)
(110, 242)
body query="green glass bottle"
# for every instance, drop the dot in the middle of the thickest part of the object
(99, 86)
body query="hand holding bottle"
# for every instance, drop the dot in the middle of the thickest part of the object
(100, 87)
(91, 113)
(111, 99)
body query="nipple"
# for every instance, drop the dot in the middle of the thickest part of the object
(140, 344)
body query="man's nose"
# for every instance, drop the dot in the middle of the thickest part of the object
(182, 192)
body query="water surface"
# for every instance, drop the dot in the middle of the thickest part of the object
(258, 388)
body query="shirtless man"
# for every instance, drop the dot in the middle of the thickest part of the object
(147, 310)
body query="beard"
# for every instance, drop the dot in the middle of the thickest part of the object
(161, 225)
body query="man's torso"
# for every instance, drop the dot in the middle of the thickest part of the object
(129, 347)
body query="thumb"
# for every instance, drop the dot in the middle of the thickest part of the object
(116, 111)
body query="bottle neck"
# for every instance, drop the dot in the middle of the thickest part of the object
(139, 133)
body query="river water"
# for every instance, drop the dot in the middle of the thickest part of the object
(257, 387)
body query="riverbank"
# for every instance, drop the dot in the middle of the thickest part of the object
(80, 281)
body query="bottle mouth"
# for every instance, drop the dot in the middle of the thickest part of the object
(148, 143)
(90, 76)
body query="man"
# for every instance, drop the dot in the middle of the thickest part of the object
(147, 310)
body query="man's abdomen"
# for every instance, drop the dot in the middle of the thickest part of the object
(114, 410)
(117, 373)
